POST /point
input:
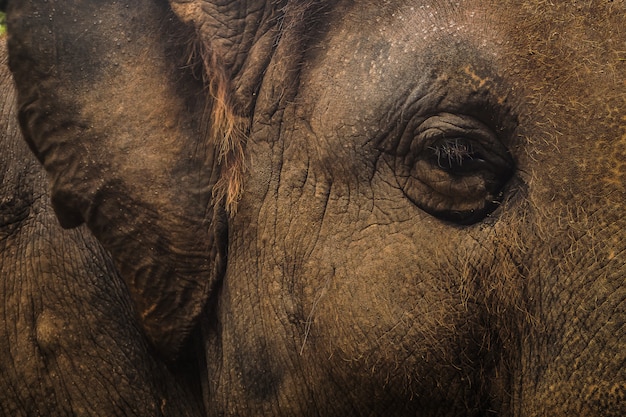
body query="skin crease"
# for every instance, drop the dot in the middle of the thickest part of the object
(344, 293)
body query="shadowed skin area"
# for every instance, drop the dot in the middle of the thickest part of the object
(429, 222)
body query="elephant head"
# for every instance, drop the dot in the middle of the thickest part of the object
(367, 208)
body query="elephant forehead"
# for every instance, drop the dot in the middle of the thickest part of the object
(370, 65)
(563, 78)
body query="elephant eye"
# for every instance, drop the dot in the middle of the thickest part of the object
(455, 168)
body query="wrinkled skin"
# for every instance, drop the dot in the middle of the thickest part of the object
(431, 219)
(69, 341)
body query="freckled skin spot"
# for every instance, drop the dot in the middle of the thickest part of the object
(479, 81)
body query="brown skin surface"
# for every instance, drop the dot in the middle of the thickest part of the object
(125, 147)
(386, 310)
(70, 343)
(431, 220)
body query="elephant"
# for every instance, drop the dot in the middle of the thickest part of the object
(316, 208)
(68, 322)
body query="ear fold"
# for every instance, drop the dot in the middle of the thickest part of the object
(109, 107)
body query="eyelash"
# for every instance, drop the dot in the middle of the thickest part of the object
(452, 152)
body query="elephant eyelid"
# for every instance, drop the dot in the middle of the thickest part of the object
(452, 166)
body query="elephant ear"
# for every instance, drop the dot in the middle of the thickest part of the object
(114, 109)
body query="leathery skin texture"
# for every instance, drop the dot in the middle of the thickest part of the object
(309, 208)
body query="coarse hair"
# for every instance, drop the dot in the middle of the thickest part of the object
(225, 121)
